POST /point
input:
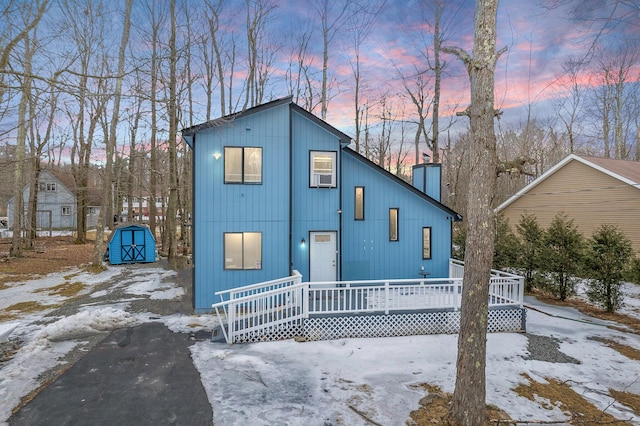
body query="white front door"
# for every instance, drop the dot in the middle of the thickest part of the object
(322, 256)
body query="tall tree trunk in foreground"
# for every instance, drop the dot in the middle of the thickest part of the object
(468, 405)
(172, 207)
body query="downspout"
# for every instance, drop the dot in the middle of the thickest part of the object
(193, 222)
(290, 190)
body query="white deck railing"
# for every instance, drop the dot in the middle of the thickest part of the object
(282, 304)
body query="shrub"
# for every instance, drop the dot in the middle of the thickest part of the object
(608, 255)
(506, 248)
(528, 260)
(561, 255)
(459, 240)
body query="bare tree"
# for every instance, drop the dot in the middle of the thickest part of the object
(260, 55)
(468, 405)
(437, 66)
(299, 77)
(416, 88)
(18, 205)
(360, 25)
(333, 15)
(33, 13)
(172, 207)
(30, 17)
(111, 139)
(570, 106)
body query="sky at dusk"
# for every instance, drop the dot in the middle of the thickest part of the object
(539, 36)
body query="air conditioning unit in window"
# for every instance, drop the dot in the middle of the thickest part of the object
(321, 180)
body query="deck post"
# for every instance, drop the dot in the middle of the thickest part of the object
(521, 290)
(231, 320)
(386, 298)
(305, 301)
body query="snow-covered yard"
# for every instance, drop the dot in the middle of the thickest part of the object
(332, 382)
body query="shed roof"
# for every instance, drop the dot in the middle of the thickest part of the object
(623, 170)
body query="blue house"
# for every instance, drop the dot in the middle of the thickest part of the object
(276, 189)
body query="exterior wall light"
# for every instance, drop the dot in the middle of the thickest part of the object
(303, 242)
(217, 155)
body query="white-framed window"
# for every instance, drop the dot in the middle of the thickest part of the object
(243, 165)
(66, 211)
(47, 186)
(322, 169)
(243, 250)
(92, 211)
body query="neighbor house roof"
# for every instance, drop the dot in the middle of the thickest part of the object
(623, 170)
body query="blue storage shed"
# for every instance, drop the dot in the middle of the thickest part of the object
(131, 244)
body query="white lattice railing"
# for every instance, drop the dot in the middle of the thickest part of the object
(279, 308)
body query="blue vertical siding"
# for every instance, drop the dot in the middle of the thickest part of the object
(313, 209)
(367, 252)
(221, 208)
(427, 178)
(285, 208)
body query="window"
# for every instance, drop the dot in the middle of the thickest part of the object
(393, 224)
(358, 212)
(426, 242)
(323, 169)
(66, 210)
(47, 186)
(92, 211)
(242, 165)
(243, 250)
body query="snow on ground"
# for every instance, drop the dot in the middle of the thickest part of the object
(332, 381)
(46, 340)
(309, 383)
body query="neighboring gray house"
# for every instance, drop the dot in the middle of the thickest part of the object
(56, 208)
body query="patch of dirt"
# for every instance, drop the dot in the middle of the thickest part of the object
(434, 409)
(560, 394)
(631, 400)
(49, 254)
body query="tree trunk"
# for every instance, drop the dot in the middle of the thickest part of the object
(170, 218)
(468, 404)
(111, 142)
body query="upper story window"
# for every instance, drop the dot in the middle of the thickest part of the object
(242, 165)
(66, 210)
(358, 211)
(393, 224)
(47, 186)
(323, 169)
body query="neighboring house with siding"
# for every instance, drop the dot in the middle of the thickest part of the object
(276, 189)
(56, 206)
(591, 191)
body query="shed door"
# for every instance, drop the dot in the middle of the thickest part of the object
(132, 245)
(322, 256)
